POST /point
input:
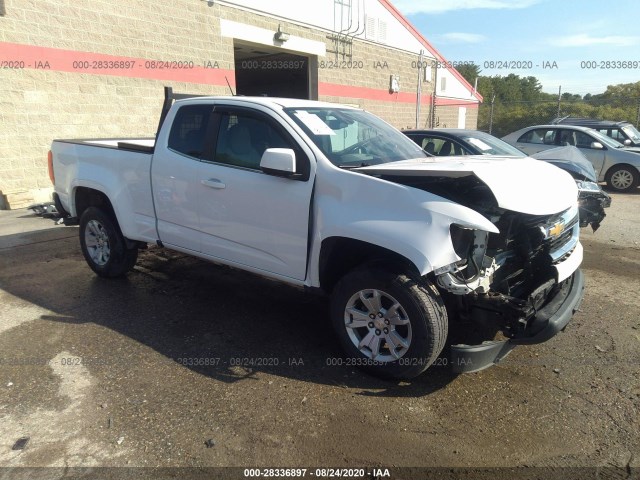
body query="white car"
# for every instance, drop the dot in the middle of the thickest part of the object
(613, 163)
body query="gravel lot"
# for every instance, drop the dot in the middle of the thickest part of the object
(143, 371)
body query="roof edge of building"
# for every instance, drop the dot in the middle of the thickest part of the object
(414, 31)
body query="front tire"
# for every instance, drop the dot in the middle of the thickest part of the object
(623, 178)
(390, 325)
(103, 245)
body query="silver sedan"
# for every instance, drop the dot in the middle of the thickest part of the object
(613, 163)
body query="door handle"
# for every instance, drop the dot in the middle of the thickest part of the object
(213, 183)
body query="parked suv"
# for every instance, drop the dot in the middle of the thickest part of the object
(615, 164)
(623, 132)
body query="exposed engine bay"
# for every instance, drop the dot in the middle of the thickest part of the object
(501, 278)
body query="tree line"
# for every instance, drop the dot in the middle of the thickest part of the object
(520, 102)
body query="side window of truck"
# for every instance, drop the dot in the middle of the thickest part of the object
(189, 130)
(242, 139)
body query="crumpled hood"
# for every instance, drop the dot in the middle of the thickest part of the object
(519, 184)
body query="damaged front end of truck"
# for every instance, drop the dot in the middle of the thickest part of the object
(520, 285)
(514, 283)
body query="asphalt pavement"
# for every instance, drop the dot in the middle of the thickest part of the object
(187, 364)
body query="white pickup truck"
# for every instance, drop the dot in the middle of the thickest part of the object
(331, 198)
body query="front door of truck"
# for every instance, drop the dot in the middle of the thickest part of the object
(246, 216)
(174, 176)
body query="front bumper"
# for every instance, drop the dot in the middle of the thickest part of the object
(548, 321)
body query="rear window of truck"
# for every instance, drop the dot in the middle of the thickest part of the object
(189, 129)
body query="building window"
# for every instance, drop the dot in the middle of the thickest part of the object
(375, 29)
(370, 28)
(2, 10)
(443, 84)
(382, 31)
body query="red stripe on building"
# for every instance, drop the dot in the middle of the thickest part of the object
(349, 91)
(441, 102)
(13, 55)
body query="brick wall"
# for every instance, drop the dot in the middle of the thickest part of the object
(38, 105)
(373, 66)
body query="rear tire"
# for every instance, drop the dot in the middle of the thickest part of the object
(103, 245)
(623, 178)
(390, 325)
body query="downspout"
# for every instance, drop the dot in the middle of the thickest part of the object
(419, 92)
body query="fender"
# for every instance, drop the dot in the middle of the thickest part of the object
(411, 222)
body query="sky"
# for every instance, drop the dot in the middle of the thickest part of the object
(525, 36)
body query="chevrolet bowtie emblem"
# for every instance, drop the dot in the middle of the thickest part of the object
(556, 230)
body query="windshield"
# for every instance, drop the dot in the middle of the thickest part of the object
(608, 141)
(632, 133)
(490, 145)
(354, 138)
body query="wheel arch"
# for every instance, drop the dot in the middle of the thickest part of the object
(340, 255)
(85, 197)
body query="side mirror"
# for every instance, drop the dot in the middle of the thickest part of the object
(596, 145)
(280, 162)
(627, 142)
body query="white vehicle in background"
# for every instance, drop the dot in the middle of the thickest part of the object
(333, 199)
(614, 164)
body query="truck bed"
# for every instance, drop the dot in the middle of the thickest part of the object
(145, 145)
(119, 168)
